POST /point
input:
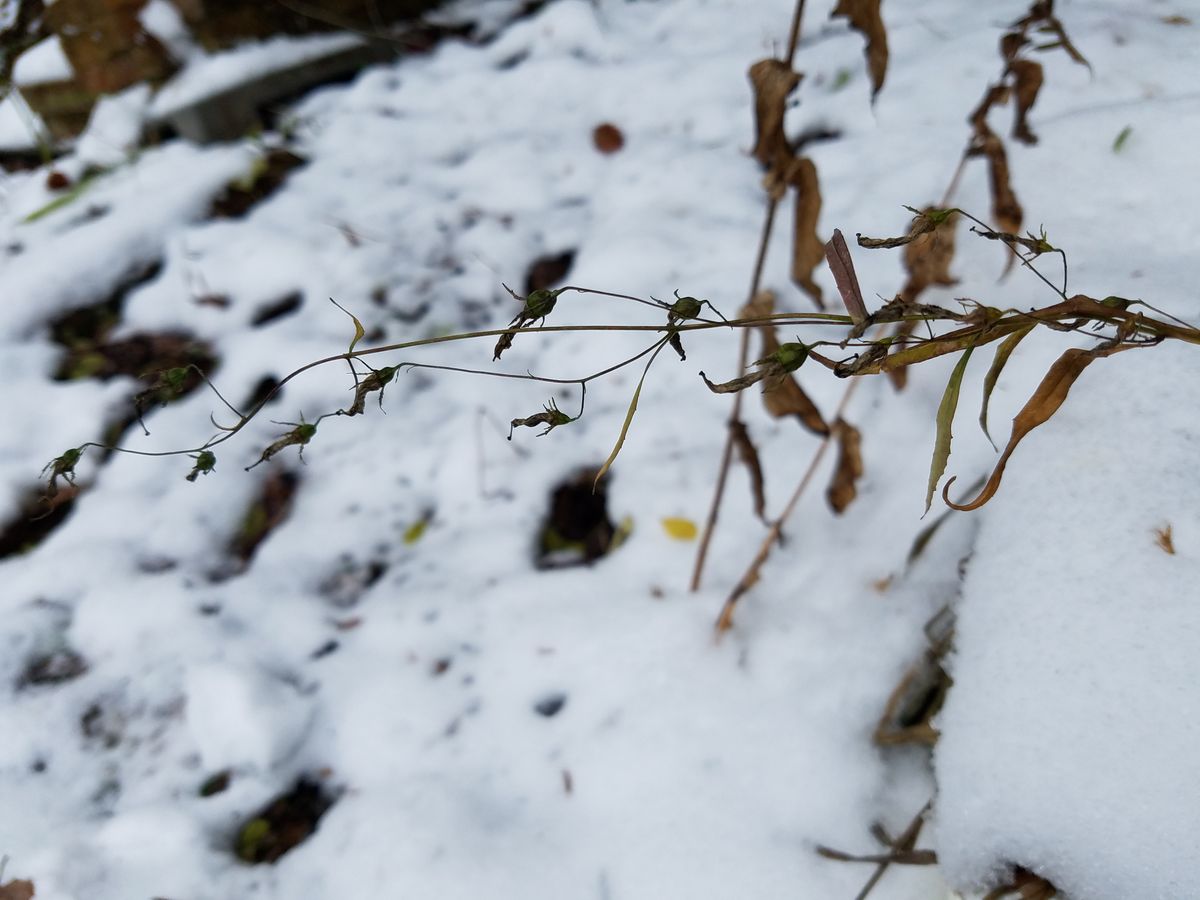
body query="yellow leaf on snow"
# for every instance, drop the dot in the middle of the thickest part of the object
(680, 529)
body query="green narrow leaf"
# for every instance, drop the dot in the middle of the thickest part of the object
(1122, 137)
(66, 199)
(628, 420)
(1003, 352)
(359, 331)
(945, 419)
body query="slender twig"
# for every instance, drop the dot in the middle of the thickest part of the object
(906, 841)
(751, 575)
(735, 414)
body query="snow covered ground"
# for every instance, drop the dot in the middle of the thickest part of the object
(489, 729)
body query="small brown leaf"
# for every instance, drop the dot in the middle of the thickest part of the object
(865, 18)
(928, 256)
(1006, 210)
(749, 457)
(843, 489)
(17, 890)
(773, 81)
(1045, 402)
(785, 397)
(807, 249)
(1027, 81)
(1165, 540)
(842, 266)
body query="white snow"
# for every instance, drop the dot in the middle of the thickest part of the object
(114, 128)
(19, 125)
(206, 74)
(44, 62)
(406, 674)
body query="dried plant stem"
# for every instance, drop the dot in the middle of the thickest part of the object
(735, 414)
(906, 841)
(751, 576)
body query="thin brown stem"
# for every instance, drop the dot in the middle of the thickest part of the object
(735, 414)
(905, 842)
(751, 575)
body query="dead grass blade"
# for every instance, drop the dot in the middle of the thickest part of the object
(773, 81)
(807, 249)
(748, 454)
(1045, 402)
(945, 421)
(1027, 81)
(864, 18)
(843, 489)
(1003, 352)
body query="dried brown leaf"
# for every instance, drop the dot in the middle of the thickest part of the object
(865, 18)
(773, 81)
(1165, 539)
(928, 256)
(1045, 402)
(1006, 210)
(899, 375)
(749, 457)
(17, 890)
(1027, 81)
(784, 397)
(842, 266)
(807, 249)
(945, 422)
(843, 489)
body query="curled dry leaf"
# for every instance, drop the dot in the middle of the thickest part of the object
(773, 81)
(1165, 539)
(786, 397)
(1027, 81)
(865, 18)
(928, 255)
(843, 489)
(748, 454)
(842, 266)
(807, 248)
(1045, 402)
(1006, 209)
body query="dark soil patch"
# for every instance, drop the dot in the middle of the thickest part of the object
(37, 518)
(283, 824)
(267, 512)
(577, 530)
(267, 176)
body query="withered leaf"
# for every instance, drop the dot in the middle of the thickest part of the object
(749, 457)
(928, 256)
(1003, 352)
(1045, 402)
(17, 890)
(843, 489)
(864, 18)
(786, 397)
(773, 81)
(1027, 81)
(945, 422)
(1006, 210)
(842, 266)
(807, 248)
(899, 375)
